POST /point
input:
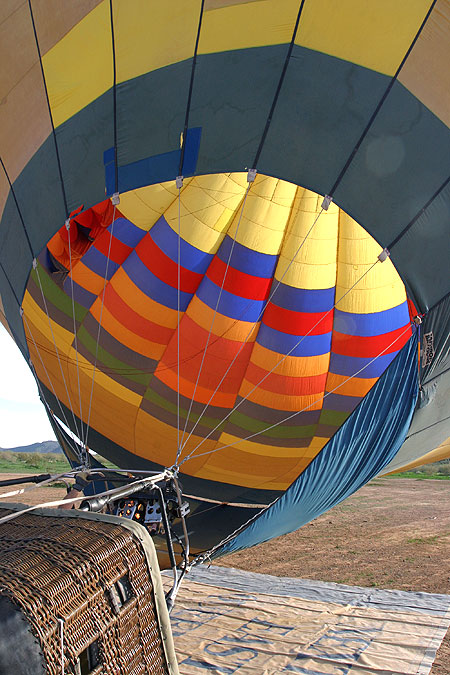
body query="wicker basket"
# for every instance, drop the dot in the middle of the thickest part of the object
(86, 591)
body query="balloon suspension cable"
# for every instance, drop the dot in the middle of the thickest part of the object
(71, 442)
(114, 492)
(321, 398)
(183, 520)
(36, 268)
(170, 596)
(47, 375)
(154, 501)
(114, 200)
(250, 180)
(185, 566)
(75, 332)
(179, 185)
(244, 398)
(201, 558)
(325, 205)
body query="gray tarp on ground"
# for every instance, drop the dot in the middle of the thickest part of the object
(228, 621)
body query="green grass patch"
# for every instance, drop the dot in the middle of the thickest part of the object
(40, 462)
(434, 471)
(419, 476)
(423, 540)
(33, 462)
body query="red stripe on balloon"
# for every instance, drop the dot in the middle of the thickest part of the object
(366, 347)
(298, 323)
(165, 268)
(237, 282)
(211, 366)
(118, 252)
(133, 321)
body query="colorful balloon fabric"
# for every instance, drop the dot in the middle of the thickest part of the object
(275, 346)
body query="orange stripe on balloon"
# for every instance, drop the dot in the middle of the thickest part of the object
(270, 399)
(356, 386)
(202, 395)
(129, 317)
(148, 308)
(87, 279)
(282, 384)
(292, 366)
(138, 344)
(232, 329)
(219, 355)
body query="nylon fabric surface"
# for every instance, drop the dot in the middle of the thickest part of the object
(235, 326)
(361, 448)
(258, 328)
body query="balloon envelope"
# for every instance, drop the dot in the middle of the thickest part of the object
(236, 328)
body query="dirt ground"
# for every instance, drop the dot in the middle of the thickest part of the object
(393, 533)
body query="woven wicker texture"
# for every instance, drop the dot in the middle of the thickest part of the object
(63, 568)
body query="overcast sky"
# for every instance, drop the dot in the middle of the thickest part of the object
(22, 416)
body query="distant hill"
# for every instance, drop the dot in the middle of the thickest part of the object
(45, 446)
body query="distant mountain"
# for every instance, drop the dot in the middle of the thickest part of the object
(45, 446)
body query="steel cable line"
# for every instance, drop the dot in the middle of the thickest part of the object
(36, 268)
(178, 315)
(45, 371)
(278, 363)
(213, 320)
(111, 232)
(242, 527)
(272, 293)
(321, 398)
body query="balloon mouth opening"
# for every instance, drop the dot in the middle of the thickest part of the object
(250, 318)
(143, 207)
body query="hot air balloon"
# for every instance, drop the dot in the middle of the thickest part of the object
(224, 243)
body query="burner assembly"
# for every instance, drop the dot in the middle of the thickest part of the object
(151, 508)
